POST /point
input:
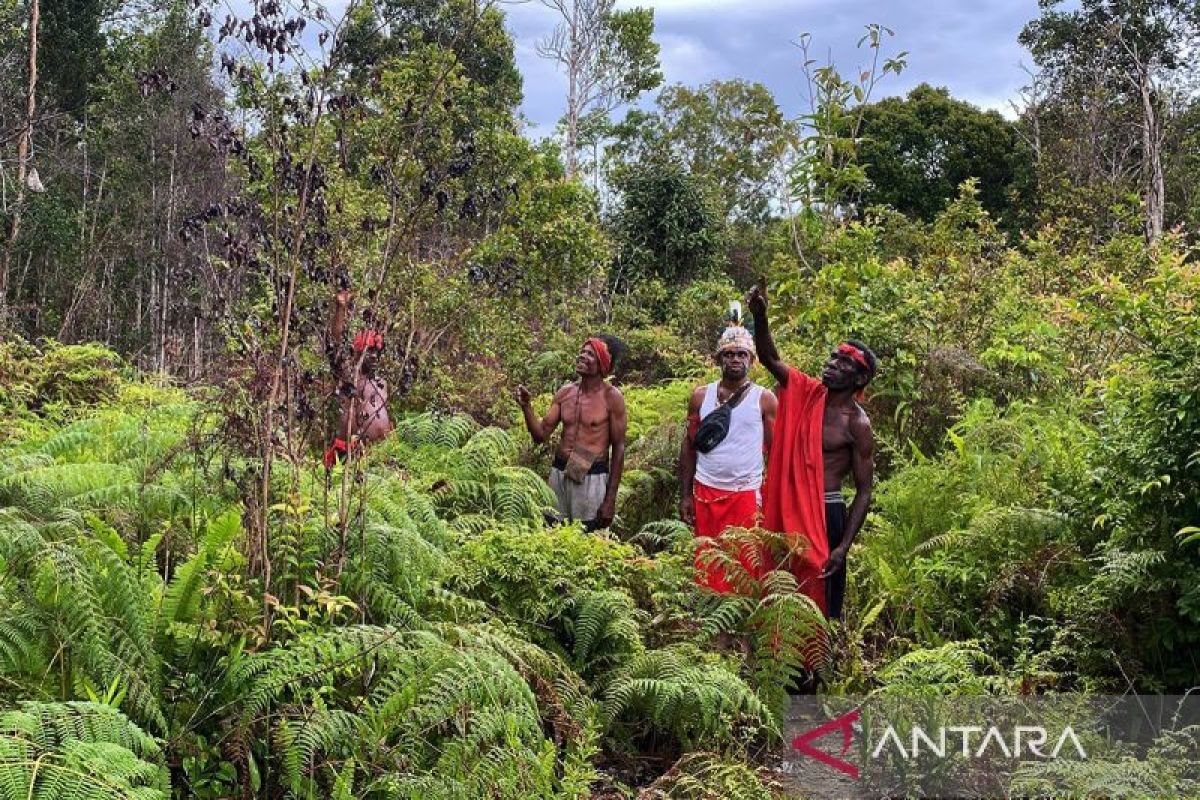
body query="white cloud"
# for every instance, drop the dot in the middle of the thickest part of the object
(707, 6)
(686, 59)
(970, 48)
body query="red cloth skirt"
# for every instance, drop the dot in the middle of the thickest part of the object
(717, 510)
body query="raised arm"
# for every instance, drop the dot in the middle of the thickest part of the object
(341, 305)
(618, 426)
(763, 343)
(337, 329)
(540, 429)
(687, 458)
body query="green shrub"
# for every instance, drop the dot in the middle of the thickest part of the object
(78, 751)
(54, 377)
(530, 575)
(656, 355)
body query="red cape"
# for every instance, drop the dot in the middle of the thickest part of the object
(794, 494)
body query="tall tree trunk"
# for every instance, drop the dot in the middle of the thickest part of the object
(1152, 168)
(573, 68)
(23, 148)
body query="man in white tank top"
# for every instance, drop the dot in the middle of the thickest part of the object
(720, 488)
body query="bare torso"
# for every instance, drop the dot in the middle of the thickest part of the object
(585, 419)
(837, 444)
(371, 422)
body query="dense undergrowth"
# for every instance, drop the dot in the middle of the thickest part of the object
(440, 643)
(418, 631)
(191, 607)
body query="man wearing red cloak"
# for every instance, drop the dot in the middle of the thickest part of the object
(822, 436)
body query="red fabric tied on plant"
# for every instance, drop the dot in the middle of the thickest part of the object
(717, 510)
(602, 354)
(794, 494)
(368, 339)
(338, 451)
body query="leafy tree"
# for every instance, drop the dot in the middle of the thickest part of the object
(1106, 61)
(23, 134)
(387, 29)
(667, 225)
(73, 48)
(609, 58)
(918, 150)
(592, 135)
(731, 135)
(101, 256)
(1181, 164)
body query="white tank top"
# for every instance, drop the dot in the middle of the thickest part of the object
(736, 464)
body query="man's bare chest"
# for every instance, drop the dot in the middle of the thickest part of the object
(835, 433)
(588, 411)
(372, 392)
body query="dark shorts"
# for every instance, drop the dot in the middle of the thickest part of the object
(835, 585)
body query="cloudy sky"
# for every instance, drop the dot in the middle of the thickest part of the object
(969, 46)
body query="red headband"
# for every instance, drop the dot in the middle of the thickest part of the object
(602, 354)
(859, 356)
(367, 339)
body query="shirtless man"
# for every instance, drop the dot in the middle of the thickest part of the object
(361, 394)
(847, 441)
(591, 454)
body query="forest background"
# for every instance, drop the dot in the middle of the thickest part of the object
(190, 606)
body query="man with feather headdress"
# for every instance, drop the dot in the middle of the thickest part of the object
(720, 475)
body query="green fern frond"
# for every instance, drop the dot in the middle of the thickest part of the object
(789, 635)
(22, 644)
(77, 750)
(953, 668)
(447, 432)
(698, 703)
(324, 734)
(181, 599)
(604, 627)
(723, 613)
(489, 448)
(664, 534)
(710, 776)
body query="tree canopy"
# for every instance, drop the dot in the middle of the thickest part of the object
(917, 150)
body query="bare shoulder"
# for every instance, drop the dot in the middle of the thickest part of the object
(860, 424)
(565, 391)
(768, 398)
(697, 398)
(613, 396)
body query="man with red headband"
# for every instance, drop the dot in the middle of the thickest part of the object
(361, 394)
(822, 435)
(590, 456)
